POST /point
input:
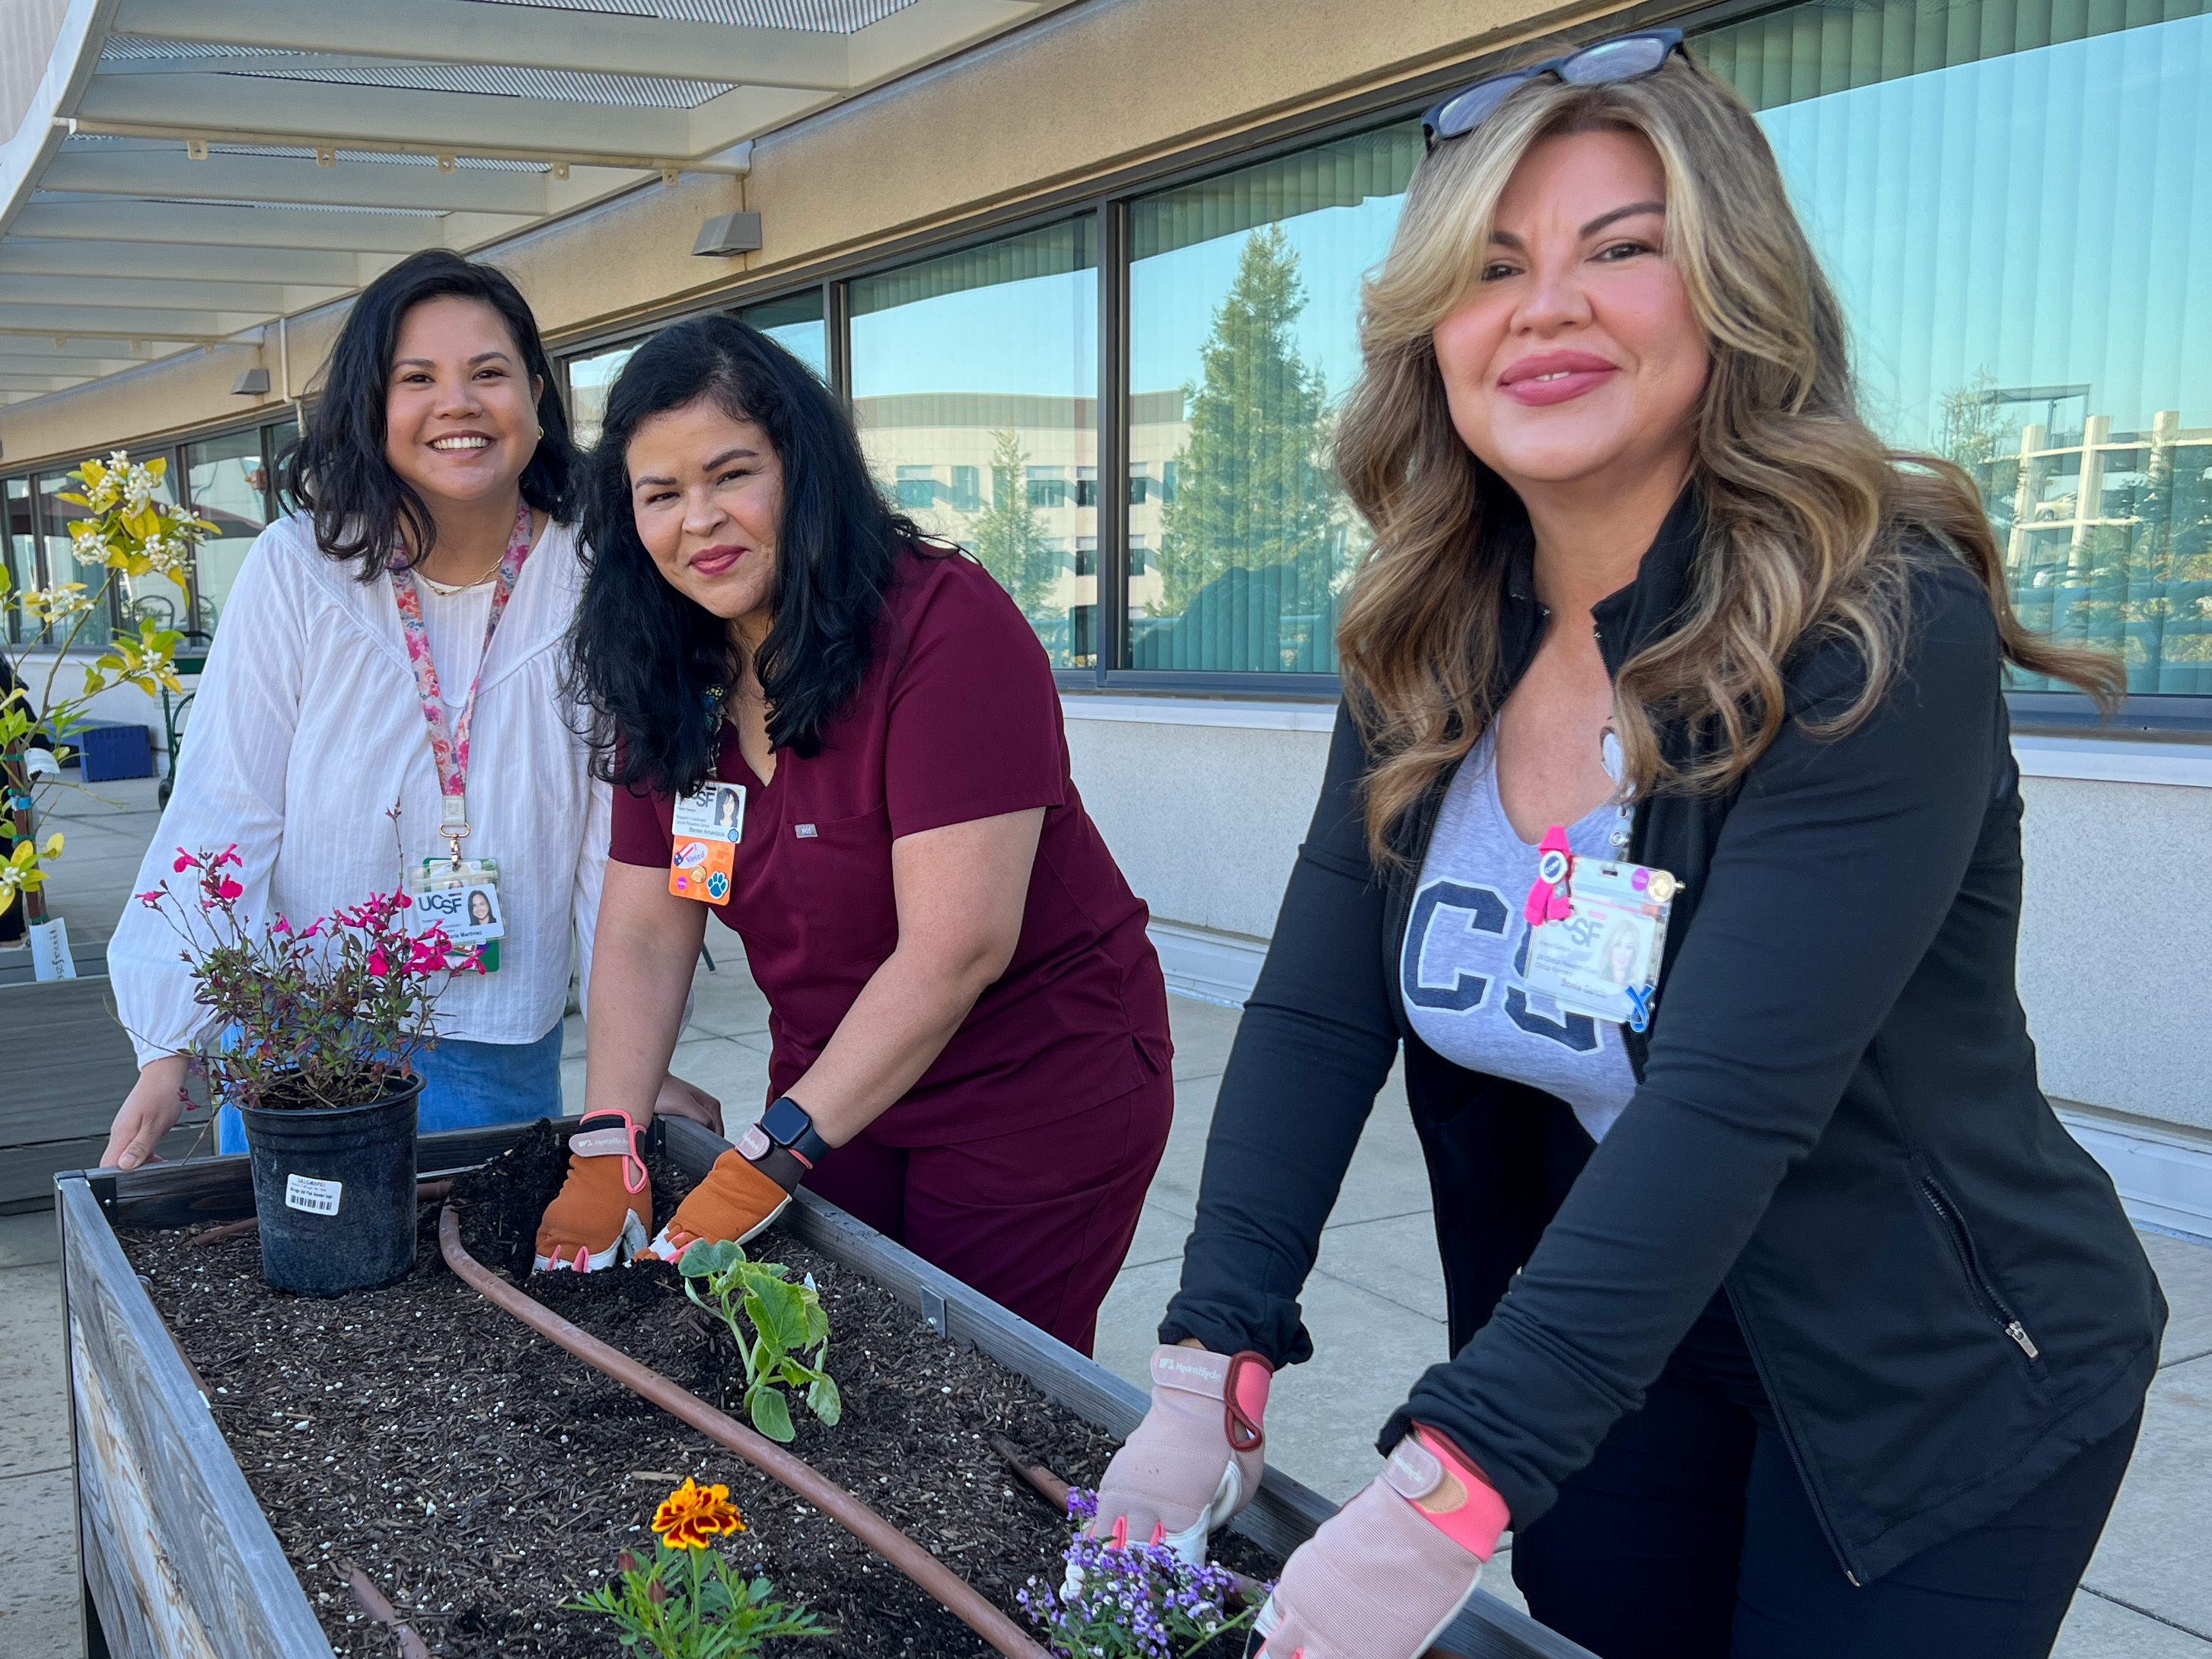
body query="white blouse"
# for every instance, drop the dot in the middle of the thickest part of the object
(307, 729)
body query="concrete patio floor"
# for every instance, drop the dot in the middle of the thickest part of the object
(1374, 1306)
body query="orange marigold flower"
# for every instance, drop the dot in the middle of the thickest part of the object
(691, 1514)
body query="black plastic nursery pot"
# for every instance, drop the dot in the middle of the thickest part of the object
(335, 1190)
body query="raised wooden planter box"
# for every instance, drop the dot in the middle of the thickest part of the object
(181, 1563)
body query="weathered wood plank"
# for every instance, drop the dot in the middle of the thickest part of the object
(27, 1171)
(183, 1534)
(69, 1063)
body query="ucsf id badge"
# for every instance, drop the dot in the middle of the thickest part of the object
(464, 898)
(1602, 958)
(705, 828)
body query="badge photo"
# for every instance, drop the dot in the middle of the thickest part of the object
(713, 811)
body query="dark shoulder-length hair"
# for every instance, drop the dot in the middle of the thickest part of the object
(338, 471)
(647, 661)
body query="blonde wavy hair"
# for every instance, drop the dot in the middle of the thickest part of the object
(1811, 526)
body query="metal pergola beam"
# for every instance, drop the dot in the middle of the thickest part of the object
(433, 30)
(232, 226)
(298, 182)
(125, 322)
(175, 262)
(215, 107)
(160, 291)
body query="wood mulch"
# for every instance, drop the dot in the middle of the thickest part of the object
(481, 1477)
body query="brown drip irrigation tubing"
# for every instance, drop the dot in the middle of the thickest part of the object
(763, 1454)
(424, 1191)
(372, 1601)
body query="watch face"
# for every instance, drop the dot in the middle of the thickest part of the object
(785, 1122)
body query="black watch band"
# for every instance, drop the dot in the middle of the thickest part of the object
(791, 1126)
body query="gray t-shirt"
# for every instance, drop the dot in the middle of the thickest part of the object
(1467, 944)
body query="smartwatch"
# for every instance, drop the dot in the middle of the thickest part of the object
(788, 1127)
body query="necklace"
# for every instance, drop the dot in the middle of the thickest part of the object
(447, 590)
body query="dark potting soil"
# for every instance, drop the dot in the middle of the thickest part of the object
(483, 1476)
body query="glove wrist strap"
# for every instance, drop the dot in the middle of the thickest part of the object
(1417, 1467)
(1240, 1382)
(613, 1134)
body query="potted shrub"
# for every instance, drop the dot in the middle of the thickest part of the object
(319, 1025)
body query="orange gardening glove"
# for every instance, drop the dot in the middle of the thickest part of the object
(604, 1212)
(736, 1200)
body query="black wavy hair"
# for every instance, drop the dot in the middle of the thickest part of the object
(337, 470)
(644, 659)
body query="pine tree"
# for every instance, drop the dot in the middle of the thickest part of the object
(1008, 537)
(1254, 489)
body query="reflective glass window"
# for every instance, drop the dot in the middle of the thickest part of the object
(153, 597)
(227, 485)
(21, 552)
(1244, 296)
(2013, 198)
(56, 516)
(981, 368)
(794, 323)
(590, 379)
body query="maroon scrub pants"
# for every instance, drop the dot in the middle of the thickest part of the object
(1039, 1220)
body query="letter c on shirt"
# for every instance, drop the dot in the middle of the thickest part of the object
(1484, 911)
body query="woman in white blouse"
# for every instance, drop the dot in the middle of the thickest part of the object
(400, 639)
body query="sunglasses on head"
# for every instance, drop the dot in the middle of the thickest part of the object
(1624, 58)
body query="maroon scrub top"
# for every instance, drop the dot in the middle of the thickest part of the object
(958, 719)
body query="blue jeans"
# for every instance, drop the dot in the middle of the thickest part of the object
(465, 1085)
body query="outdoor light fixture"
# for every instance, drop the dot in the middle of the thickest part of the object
(729, 233)
(251, 383)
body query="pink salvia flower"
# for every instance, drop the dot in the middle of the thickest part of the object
(183, 861)
(230, 890)
(378, 964)
(280, 925)
(152, 900)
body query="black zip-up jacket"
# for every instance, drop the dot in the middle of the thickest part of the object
(1836, 1116)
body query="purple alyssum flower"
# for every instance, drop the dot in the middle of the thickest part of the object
(1134, 1602)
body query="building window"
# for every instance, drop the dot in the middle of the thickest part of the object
(21, 552)
(228, 485)
(794, 323)
(1243, 292)
(590, 379)
(987, 360)
(96, 628)
(1087, 486)
(967, 494)
(2011, 203)
(917, 487)
(1087, 556)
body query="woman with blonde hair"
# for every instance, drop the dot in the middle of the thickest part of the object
(1785, 1318)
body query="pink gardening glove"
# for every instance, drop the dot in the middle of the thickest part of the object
(1195, 1461)
(1382, 1578)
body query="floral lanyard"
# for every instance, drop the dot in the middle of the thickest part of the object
(449, 750)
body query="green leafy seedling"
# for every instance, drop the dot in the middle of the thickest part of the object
(788, 1344)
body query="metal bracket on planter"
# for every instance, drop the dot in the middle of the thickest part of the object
(933, 1309)
(103, 1188)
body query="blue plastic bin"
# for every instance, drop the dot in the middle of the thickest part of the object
(110, 749)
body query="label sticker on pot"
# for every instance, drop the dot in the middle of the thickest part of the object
(317, 1197)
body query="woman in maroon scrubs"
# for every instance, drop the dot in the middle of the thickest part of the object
(970, 1029)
